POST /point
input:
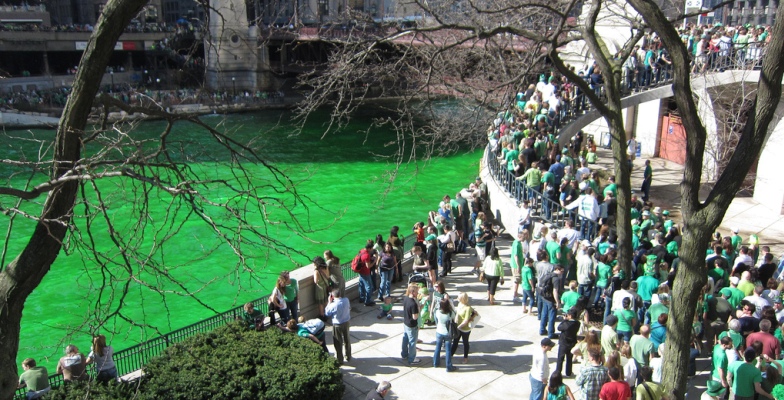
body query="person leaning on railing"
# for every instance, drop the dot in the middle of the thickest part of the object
(253, 318)
(72, 365)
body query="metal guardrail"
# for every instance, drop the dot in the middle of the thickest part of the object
(545, 208)
(135, 357)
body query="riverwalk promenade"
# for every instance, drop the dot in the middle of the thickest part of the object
(502, 344)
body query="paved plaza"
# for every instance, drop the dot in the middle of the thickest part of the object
(502, 344)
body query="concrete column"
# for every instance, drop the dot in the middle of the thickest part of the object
(47, 71)
(768, 189)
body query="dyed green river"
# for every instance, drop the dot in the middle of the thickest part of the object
(346, 176)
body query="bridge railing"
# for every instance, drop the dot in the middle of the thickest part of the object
(543, 206)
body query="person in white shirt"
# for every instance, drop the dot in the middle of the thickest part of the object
(758, 301)
(631, 148)
(585, 268)
(657, 364)
(588, 209)
(569, 234)
(540, 369)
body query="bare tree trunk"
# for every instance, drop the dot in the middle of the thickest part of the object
(703, 217)
(24, 274)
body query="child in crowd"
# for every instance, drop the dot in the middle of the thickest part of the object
(424, 306)
(386, 309)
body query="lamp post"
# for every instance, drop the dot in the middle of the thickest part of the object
(234, 86)
(158, 83)
(111, 73)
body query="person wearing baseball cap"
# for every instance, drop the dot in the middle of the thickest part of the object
(540, 369)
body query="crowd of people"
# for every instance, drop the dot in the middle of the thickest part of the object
(562, 270)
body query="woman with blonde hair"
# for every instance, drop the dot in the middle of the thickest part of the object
(101, 355)
(278, 303)
(335, 272)
(464, 320)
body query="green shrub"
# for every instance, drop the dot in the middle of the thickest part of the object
(229, 363)
(93, 391)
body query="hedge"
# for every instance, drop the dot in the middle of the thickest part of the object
(232, 363)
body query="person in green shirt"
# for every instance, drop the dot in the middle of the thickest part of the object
(511, 157)
(527, 278)
(611, 187)
(566, 159)
(627, 320)
(667, 222)
(553, 248)
(517, 259)
(569, 298)
(252, 317)
(720, 360)
(603, 272)
(736, 239)
(662, 307)
(745, 378)
(35, 378)
(533, 179)
(733, 295)
(733, 333)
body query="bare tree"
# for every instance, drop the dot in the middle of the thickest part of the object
(703, 215)
(87, 171)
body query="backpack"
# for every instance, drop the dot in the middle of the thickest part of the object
(546, 286)
(356, 263)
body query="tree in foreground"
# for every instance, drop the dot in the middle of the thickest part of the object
(116, 197)
(507, 36)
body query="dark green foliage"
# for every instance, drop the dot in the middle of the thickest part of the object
(234, 363)
(93, 391)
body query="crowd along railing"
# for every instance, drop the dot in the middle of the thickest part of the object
(133, 359)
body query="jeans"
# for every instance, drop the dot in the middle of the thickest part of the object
(586, 290)
(547, 312)
(586, 228)
(293, 307)
(285, 316)
(537, 388)
(409, 343)
(365, 288)
(340, 338)
(642, 311)
(528, 298)
(466, 347)
(646, 189)
(386, 283)
(373, 281)
(442, 340)
(596, 295)
(607, 306)
(627, 335)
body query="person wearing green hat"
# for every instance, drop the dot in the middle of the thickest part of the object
(636, 229)
(666, 221)
(714, 391)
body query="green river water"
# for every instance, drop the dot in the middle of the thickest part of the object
(346, 173)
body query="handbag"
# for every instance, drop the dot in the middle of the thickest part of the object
(482, 277)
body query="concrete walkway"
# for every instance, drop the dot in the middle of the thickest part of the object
(502, 345)
(744, 213)
(501, 348)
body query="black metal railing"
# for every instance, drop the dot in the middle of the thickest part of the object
(542, 206)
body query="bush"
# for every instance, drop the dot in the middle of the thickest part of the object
(235, 363)
(93, 391)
